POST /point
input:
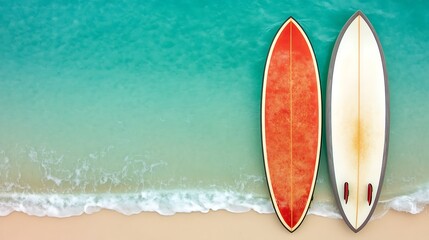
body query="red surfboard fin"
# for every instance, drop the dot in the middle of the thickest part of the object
(346, 192)
(369, 198)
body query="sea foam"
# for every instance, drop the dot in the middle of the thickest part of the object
(413, 203)
(181, 201)
(162, 202)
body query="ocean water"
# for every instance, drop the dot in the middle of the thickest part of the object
(155, 106)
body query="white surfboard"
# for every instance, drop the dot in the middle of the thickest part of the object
(357, 112)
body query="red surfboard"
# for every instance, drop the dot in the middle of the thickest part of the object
(291, 123)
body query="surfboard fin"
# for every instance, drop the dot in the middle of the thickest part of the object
(346, 192)
(369, 198)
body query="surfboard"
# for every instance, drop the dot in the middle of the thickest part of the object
(357, 120)
(291, 123)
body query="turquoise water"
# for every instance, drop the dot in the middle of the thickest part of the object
(156, 106)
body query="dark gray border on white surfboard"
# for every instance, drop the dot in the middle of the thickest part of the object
(328, 120)
(262, 126)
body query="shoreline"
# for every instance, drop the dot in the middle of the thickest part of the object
(108, 224)
(171, 202)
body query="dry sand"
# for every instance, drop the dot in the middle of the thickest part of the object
(212, 225)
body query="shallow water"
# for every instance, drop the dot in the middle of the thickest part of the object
(156, 107)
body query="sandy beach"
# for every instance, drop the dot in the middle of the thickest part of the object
(212, 225)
